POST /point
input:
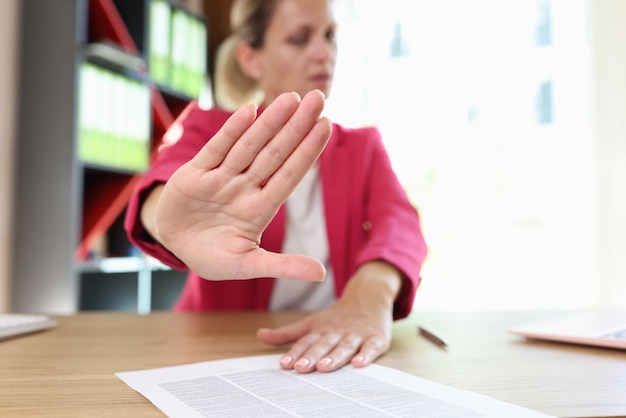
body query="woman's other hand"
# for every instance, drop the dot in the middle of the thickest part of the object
(356, 329)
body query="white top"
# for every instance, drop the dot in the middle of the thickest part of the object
(305, 234)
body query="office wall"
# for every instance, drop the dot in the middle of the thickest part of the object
(218, 16)
(608, 81)
(9, 10)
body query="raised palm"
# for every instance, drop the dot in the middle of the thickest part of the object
(212, 212)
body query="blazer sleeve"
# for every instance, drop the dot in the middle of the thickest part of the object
(395, 233)
(185, 138)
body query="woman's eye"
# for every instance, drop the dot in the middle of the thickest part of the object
(297, 40)
(330, 35)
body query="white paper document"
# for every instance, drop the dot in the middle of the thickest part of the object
(258, 387)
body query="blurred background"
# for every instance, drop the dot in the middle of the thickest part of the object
(486, 107)
(505, 121)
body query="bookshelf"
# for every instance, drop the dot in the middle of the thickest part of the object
(75, 173)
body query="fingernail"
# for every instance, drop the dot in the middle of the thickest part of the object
(286, 361)
(358, 360)
(325, 362)
(303, 362)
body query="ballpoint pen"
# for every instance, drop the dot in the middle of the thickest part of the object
(433, 337)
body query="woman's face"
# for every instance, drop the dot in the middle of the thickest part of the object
(299, 50)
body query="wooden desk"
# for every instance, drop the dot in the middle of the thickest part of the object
(69, 371)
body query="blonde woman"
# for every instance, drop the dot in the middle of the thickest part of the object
(260, 221)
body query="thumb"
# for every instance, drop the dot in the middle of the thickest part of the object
(285, 334)
(287, 266)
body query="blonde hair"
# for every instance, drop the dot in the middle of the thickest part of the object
(248, 21)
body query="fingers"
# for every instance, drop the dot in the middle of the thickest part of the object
(269, 124)
(304, 132)
(286, 334)
(329, 352)
(215, 150)
(323, 352)
(282, 183)
(262, 145)
(371, 349)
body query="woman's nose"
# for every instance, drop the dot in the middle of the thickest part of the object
(323, 49)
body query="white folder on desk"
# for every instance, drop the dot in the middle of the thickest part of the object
(603, 327)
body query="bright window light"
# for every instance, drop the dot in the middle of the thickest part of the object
(483, 108)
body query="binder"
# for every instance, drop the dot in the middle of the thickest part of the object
(114, 121)
(87, 123)
(178, 51)
(177, 48)
(198, 57)
(159, 21)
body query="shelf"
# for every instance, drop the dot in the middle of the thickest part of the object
(105, 201)
(111, 55)
(121, 265)
(69, 206)
(128, 283)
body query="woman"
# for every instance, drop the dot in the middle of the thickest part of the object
(206, 205)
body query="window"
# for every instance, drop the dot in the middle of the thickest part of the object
(482, 106)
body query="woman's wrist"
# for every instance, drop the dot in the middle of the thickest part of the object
(148, 210)
(376, 283)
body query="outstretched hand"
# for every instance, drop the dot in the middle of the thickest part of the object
(213, 210)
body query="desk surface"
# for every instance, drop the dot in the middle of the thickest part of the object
(69, 371)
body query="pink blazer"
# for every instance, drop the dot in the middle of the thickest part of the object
(368, 216)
